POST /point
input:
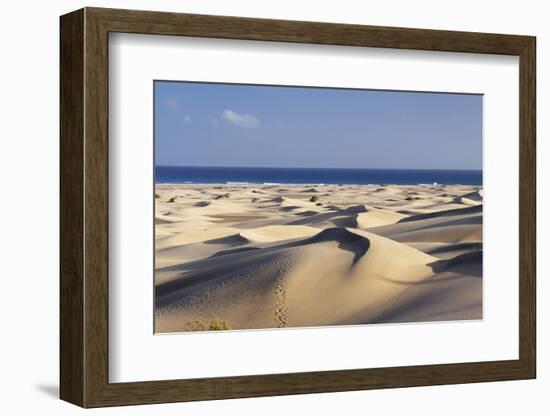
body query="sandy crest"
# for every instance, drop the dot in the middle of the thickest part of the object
(288, 256)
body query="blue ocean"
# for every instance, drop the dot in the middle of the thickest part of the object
(255, 175)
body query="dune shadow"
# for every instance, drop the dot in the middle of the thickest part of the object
(447, 213)
(289, 208)
(337, 217)
(457, 246)
(306, 213)
(233, 239)
(472, 260)
(350, 222)
(233, 251)
(347, 240)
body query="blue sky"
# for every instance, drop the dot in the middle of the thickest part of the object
(200, 124)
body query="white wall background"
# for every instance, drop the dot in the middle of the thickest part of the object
(29, 211)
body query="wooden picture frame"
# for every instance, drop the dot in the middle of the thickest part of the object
(84, 207)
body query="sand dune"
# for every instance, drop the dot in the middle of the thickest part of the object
(271, 233)
(272, 256)
(472, 198)
(378, 217)
(452, 293)
(448, 226)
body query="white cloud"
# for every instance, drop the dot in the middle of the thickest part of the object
(186, 118)
(242, 120)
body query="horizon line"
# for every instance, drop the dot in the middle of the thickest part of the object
(321, 167)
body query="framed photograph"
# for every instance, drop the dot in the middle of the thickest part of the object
(255, 207)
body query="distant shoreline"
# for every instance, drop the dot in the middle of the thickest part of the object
(298, 184)
(317, 176)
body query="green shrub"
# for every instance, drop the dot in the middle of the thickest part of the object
(195, 326)
(314, 198)
(215, 324)
(218, 325)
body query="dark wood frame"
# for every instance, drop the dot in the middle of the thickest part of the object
(84, 207)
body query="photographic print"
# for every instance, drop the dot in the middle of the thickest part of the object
(290, 206)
